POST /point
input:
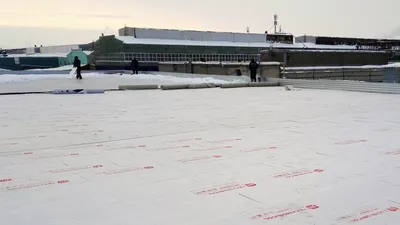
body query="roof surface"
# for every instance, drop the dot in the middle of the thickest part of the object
(204, 157)
(132, 40)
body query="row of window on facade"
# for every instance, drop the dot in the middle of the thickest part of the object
(152, 57)
(189, 49)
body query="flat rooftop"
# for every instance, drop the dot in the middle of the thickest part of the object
(31, 81)
(210, 156)
(266, 45)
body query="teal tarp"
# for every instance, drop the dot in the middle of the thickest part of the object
(32, 62)
(85, 57)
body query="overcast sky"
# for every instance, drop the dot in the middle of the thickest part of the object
(24, 23)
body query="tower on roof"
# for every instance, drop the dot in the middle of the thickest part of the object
(275, 22)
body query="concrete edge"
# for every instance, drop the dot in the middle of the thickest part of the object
(78, 91)
(203, 85)
(138, 87)
(174, 86)
(166, 87)
(265, 84)
(234, 85)
(256, 84)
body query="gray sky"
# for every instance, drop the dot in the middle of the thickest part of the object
(24, 23)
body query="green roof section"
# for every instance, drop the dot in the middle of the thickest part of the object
(86, 57)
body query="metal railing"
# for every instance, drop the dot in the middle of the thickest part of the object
(176, 57)
(340, 85)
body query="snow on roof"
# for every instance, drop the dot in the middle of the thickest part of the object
(132, 40)
(87, 52)
(194, 35)
(38, 55)
(61, 68)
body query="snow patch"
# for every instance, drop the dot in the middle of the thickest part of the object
(61, 68)
(14, 78)
(142, 78)
(181, 80)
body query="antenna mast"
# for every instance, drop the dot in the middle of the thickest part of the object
(275, 22)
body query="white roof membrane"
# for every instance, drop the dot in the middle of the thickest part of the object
(204, 157)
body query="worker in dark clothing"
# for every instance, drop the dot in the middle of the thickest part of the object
(77, 65)
(135, 66)
(253, 67)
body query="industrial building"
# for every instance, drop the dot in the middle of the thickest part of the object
(145, 40)
(151, 46)
(149, 40)
(316, 58)
(362, 43)
(390, 45)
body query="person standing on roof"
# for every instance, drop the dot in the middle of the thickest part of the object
(135, 66)
(253, 67)
(77, 65)
(4, 53)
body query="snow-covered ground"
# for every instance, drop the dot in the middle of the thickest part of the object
(49, 82)
(140, 78)
(61, 68)
(14, 78)
(37, 55)
(201, 157)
